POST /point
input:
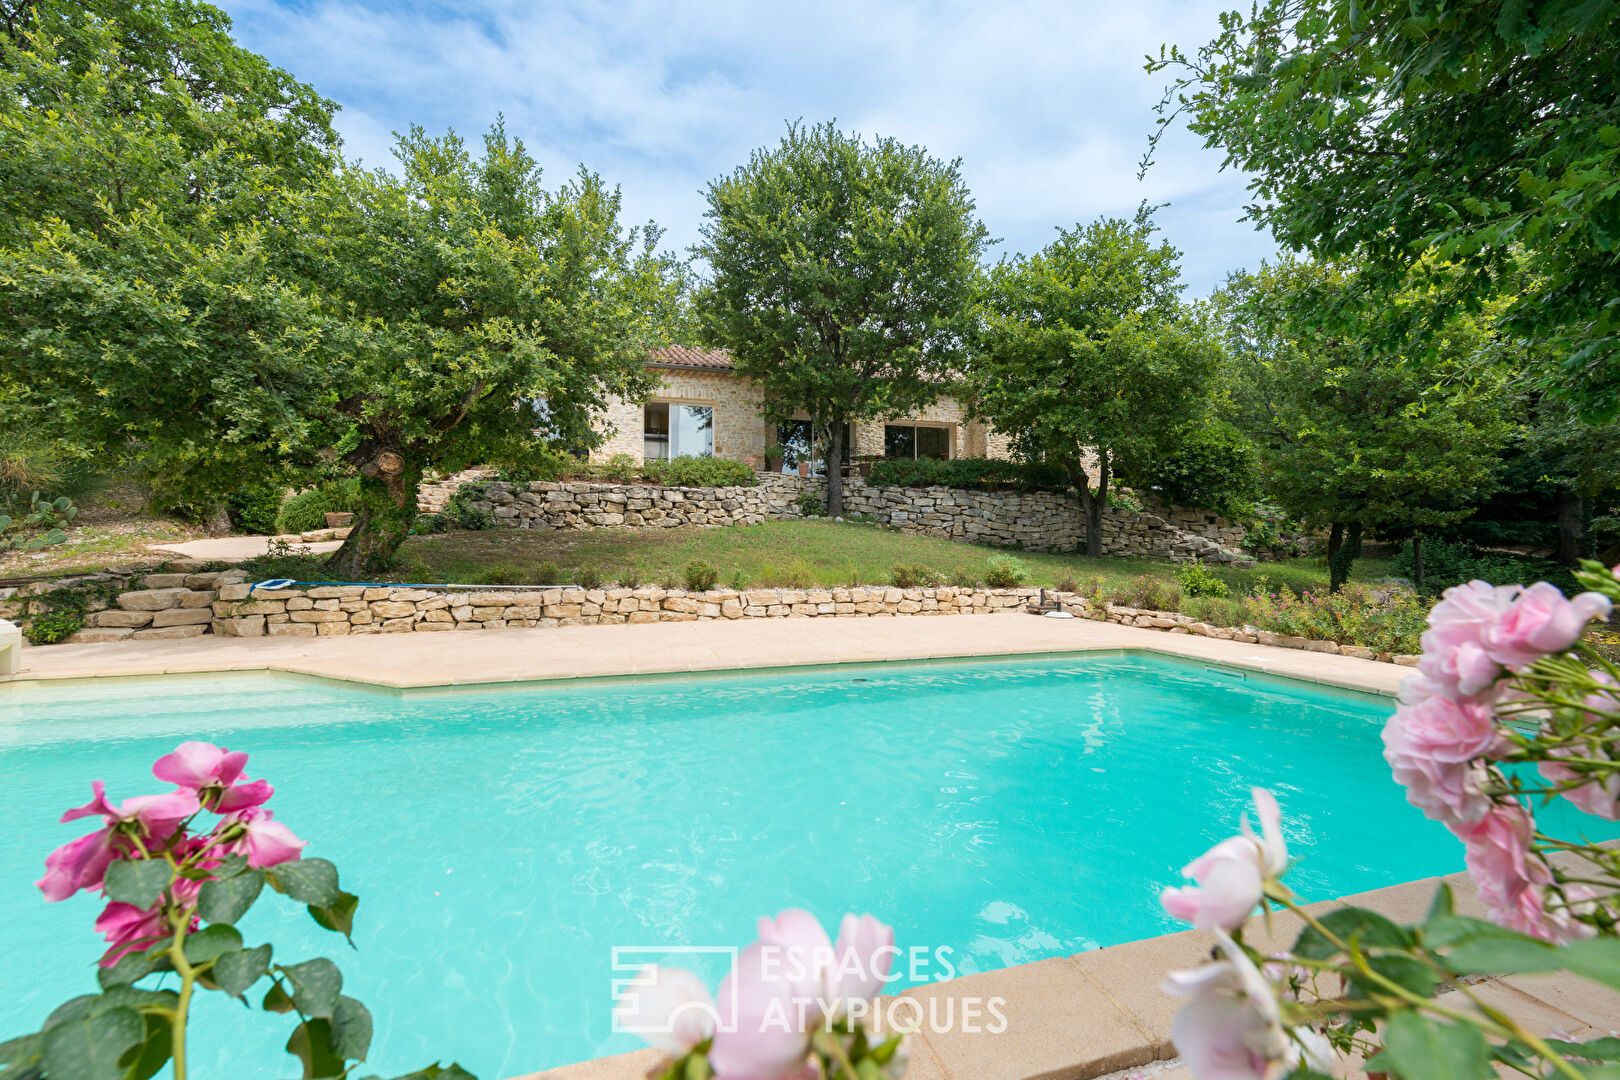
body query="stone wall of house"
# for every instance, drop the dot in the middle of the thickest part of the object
(739, 426)
(1034, 521)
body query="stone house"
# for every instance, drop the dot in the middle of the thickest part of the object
(704, 407)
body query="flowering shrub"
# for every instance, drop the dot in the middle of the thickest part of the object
(792, 1008)
(1354, 615)
(1507, 707)
(178, 870)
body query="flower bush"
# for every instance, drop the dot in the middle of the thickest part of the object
(1355, 615)
(177, 870)
(793, 1007)
(1508, 708)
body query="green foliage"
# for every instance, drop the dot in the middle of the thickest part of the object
(50, 627)
(40, 527)
(1217, 611)
(460, 513)
(700, 576)
(1445, 565)
(283, 560)
(972, 474)
(1411, 137)
(1085, 348)
(738, 579)
(1390, 620)
(809, 504)
(1212, 466)
(841, 277)
(913, 576)
(1349, 431)
(700, 472)
(1150, 593)
(587, 577)
(1005, 572)
(1196, 580)
(305, 511)
(1125, 500)
(964, 577)
(50, 617)
(254, 507)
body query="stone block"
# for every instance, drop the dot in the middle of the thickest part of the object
(170, 633)
(129, 619)
(333, 629)
(204, 581)
(320, 616)
(151, 599)
(95, 635)
(411, 596)
(234, 592)
(251, 626)
(163, 581)
(290, 629)
(196, 599)
(183, 617)
(392, 609)
(300, 603)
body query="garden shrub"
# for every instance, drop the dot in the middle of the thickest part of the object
(306, 510)
(1147, 592)
(913, 576)
(738, 579)
(1217, 611)
(1388, 620)
(700, 472)
(253, 508)
(700, 575)
(54, 616)
(587, 577)
(1196, 580)
(1446, 564)
(809, 504)
(1005, 572)
(630, 577)
(1127, 500)
(460, 513)
(965, 578)
(974, 474)
(799, 574)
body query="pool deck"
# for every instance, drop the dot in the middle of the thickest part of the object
(1096, 1014)
(565, 652)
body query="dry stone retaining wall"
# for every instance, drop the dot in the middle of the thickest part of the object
(1034, 521)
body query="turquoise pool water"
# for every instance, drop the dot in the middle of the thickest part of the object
(503, 841)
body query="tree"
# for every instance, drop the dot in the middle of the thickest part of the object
(467, 294)
(841, 272)
(1438, 145)
(146, 307)
(1351, 435)
(1087, 353)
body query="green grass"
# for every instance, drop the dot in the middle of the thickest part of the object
(797, 553)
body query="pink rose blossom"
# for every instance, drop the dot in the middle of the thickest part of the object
(215, 774)
(1541, 622)
(669, 1007)
(266, 842)
(78, 864)
(863, 961)
(82, 863)
(1231, 875)
(129, 929)
(764, 1031)
(1433, 747)
(1514, 881)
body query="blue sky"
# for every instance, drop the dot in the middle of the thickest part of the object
(1046, 103)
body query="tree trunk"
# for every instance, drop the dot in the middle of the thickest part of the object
(1417, 561)
(1349, 551)
(1335, 540)
(1092, 503)
(388, 485)
(1571, 524)
(835, 470)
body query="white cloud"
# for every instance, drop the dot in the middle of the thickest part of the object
(1046, 103)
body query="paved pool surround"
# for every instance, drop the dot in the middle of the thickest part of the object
(1090, 1015)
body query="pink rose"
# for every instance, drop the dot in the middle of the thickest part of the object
(1541, 622)
(1513, 880)
(1231, 875)
(266, 842)
(863, 961)
(669, 1007)
(1600, 794)
(82, 863)
(215, 774)
(78, 864)
(765, 1026)
(1433, 749)
(128, 929)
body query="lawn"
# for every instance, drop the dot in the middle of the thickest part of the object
(797, 553)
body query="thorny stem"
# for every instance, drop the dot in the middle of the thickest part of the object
(1501, 1024)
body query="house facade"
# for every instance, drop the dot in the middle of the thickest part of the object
(705, 407)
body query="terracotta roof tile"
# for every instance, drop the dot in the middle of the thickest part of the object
(684, 356)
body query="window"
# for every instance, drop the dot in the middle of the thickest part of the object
(672, 431)
(799, 444)
(916, 441)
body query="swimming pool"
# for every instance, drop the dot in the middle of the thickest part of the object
(504, 840)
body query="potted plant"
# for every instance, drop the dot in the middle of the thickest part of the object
(773, 457)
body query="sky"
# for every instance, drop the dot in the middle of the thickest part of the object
(1046, 103)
